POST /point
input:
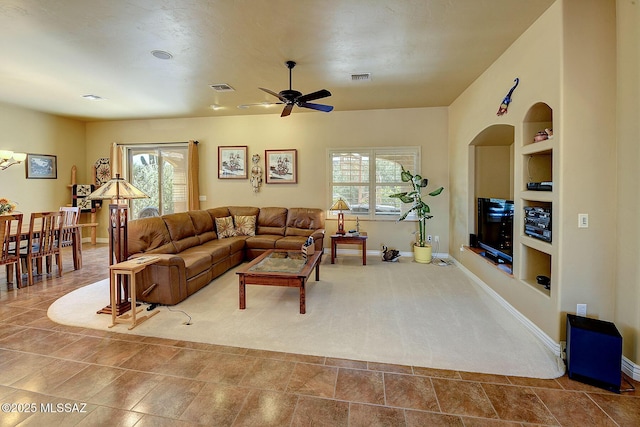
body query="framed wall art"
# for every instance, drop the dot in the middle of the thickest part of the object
(41, 166)
(282, 166)
(232, 162)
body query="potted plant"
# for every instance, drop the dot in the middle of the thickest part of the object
(422, 250)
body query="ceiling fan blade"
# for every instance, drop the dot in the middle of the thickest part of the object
(259, 104)
(319, 107)
(277, 95)
(323, 93)
(287, 110)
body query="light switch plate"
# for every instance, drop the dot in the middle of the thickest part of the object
(583, 220)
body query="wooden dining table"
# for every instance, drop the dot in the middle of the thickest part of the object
(76, 244)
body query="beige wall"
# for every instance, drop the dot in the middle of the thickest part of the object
(627, 278)
(472, 113)
(554, 60)
(311, 134)
(37, 133)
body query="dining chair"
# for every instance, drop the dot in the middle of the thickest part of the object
(10, 227)
(70, 217)
(43, 242)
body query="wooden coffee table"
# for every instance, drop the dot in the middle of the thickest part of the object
(279, 267)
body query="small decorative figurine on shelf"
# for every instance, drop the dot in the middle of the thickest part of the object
(256, 173)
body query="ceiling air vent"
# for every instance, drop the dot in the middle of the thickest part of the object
(361, 77)
(222, 87)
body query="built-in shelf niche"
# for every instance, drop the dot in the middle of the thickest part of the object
(535, 263)
(536, 255)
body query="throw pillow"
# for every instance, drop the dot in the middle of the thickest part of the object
(245, 225)
(224, 227)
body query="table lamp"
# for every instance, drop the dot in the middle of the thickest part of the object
(340, 205)
(118, 190)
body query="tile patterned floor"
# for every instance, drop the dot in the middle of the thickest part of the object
(57, 375)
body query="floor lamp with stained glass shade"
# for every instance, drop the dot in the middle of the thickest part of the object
(119, 191)
(340, 205)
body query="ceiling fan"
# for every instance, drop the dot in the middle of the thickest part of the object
(291, 98)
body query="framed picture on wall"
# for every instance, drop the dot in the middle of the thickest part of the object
(282, 166)
(232, 162)
(41, 166)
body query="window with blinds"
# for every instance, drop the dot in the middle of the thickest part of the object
(365, 177)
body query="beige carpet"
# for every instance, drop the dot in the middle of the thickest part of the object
(402, 312)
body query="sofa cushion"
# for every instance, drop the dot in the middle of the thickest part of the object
(181, 230)
(147, 234)
(196, 261)
(218, 212)
(291, 242)
(219, 249)
(304, 221)
(263, 241)
(272, 221)
(203, 224)
(243, 210)
(225, 228)
(245, 225)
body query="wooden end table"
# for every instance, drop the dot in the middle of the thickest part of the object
(349, 240)
(128, 269)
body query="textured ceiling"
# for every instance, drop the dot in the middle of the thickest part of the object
(420, 53)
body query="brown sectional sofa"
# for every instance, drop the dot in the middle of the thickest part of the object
(192, 254)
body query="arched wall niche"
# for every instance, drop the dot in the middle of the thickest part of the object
(491, 165)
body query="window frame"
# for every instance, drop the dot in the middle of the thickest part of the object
(128, 152)
(373, 153)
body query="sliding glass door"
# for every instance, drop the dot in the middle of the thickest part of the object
(160, 171)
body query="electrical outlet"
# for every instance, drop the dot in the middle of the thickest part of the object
(436, 239)
(429, 238)
(581, 310)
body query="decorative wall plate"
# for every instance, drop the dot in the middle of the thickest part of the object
(80, 193)
(103, 171)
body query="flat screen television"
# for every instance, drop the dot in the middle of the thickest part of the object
(495, 228)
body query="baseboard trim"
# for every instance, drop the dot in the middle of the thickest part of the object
(631, 369)
(539, 333)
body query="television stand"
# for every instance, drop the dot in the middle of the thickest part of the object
(495, 258)
(501, 264)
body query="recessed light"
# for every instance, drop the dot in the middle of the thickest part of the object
(215, 107)
(93, 97)
(161, 54)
